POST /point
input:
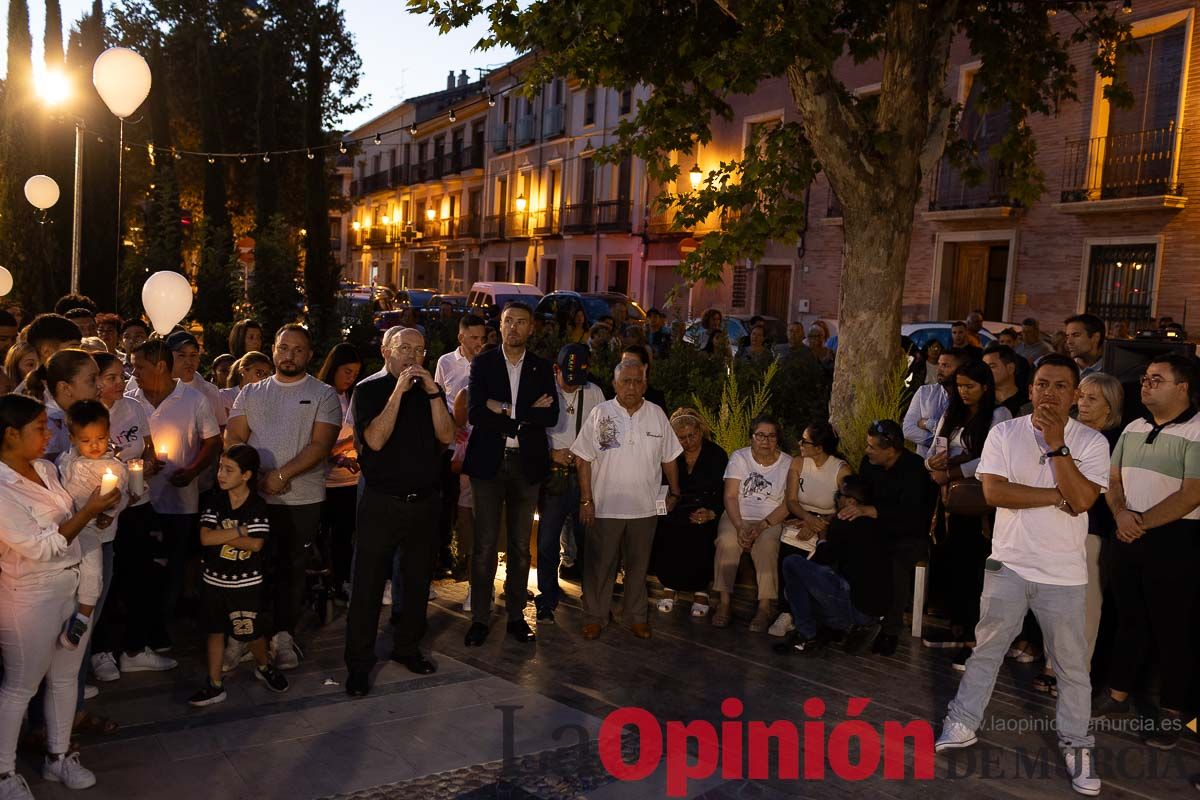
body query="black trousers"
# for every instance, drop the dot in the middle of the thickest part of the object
(518, 497)
(964, 553)
(444, 557)
(1158, 609)
(905, 555)
(337, 524)
(385, 524)
(293, 534)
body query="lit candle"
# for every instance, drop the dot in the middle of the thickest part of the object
(136, 481)
(108, 481)
(162, 454)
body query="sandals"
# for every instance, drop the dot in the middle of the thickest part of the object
(1023, 654)
(700, 610)
(722, 618)
(1046, 684)
(666, 605)
(761, 621)
(94, 723)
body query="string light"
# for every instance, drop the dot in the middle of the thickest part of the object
(212, 160)
(242, 159)
(1127, 7)
(310, 155)
(176, 154)
(378, 139)
(1051, 12)
(491, 101)
(266, 158)
(412, 129)
(453, 116)
(342, 148)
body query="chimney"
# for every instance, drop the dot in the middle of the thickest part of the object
(450, 80)
(463, 80)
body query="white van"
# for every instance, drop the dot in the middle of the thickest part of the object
(488, 298)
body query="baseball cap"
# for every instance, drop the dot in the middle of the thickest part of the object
(179, 338)
(573, 361)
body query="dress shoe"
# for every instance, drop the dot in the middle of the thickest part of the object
(545, 616)
(640, 629)
(416, 663)
(591, 631)
(476, 635)
(519, 631)
(885, 644)
(357, 684)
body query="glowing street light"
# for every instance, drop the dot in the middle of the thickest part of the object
(53, 88)
(522, 203)
(695, 176)
(430, 214)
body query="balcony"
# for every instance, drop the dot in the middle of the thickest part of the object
(399, 175)
(500, 143)
(518, 226)
(1124, 172)
(493, 226)
(431, 229)
(377, 236)
(376, 181)
(579, 218)
(613, 215)
(526, 130)
(544, 222)
(471, 158)
(354, 188)
(466, 227)
(554, 123)
(952, 197)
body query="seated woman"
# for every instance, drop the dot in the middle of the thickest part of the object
(755, 489)
(685, 542)
(812, 488)
(756, 351)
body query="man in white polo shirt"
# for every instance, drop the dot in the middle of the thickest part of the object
(1042, 472)
(187, 439)
(623, 450)
(293, 420)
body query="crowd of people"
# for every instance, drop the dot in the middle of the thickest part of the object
(1011, 475)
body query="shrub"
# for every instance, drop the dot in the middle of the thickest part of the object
(730, 420)
(871, 403)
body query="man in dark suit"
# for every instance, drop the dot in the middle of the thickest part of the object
(513, 400)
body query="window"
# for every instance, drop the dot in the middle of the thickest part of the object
(587, 181)
(1120, 284)
(984, 128)
(582, 268)
(626, 101)
(375, 163)
(756, 132)
(740, 286)
(519, 271)
(618, 272)
(550, 270)
(589, 106)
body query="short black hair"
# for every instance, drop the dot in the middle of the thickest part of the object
(80, 313)
(888, 432)
(517, 305)
(52, 328)
(639, 350)
(156, 350)
(86, 412)
(855, 488)
(135, 322)
(957, 353)
(1056, 360)
(1183, 367)
(294, 327)
(1030, 322)
(1013, 332)
(7, 320)
(1091, 323)
(1006, 353)
(959, 324)
(824, 436)
(70, 301)
(470, 321)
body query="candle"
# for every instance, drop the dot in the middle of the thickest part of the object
(162, 454)
(136, 481)
(108, 481)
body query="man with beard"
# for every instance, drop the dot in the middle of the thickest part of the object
(293, 420)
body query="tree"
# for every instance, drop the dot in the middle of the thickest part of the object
(273, 285)
(875, 151)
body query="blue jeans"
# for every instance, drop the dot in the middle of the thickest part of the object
(553, 510)
(817, 594)
(1060, 614)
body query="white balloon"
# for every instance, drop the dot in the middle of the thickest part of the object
(41, 191)
(6, 281)
(122, 77)
(167, 298)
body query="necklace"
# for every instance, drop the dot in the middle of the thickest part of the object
(571, 402)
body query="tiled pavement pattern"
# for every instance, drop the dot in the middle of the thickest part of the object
(441, 736)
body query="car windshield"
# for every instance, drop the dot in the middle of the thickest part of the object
(526, 299)
(597, 307)
(419, 299)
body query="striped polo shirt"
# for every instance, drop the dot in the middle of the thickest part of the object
(1154, 460)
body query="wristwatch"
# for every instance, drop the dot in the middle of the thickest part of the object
(504, 408)
(1063, 451)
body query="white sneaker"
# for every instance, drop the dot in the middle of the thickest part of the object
(14, 787)
(104, 667)
(782, 625)
(284, 651)
(68, 771)
(387, 593)
(147, 661)
(235, 653)
(467, 602)
(1081, 769)
(955, 736)
(90, 691)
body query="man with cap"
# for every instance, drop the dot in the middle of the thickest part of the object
(186, 351)
(577, 396)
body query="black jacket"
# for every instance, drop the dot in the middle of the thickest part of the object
(904, 495)
(489, 381)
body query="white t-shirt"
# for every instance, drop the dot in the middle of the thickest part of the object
(210, 393)
(128, 427)
(452, 373)
(1042, 545)
(626, 453)
(763, 489)
(227, 397)
(570, 408)
(182, 421)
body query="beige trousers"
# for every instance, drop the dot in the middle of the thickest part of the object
(764, 553)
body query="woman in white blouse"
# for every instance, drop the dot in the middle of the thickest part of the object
(39, 578)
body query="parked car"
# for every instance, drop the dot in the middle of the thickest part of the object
(735, 329)
(563, 305)
(416, 298)
(920, 333)
(457, 301)
(487, 297)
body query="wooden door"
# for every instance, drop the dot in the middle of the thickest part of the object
(968, 281)
(775, 290)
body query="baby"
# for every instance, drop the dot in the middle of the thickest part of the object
(82, 468)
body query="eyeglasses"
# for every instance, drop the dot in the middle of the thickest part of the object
(807, 443)
(1154, 381)
(766, 437)
(408, 350)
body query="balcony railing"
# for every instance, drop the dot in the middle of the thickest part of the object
(500, 143)
(526, 130)
(472, 158)
(377, 237)
(354, 188)
(376, 181)
(579, 217)
(544, 222)
(554, 122)
(466, 227)
(950, 191)
(399, 175)
(518, 225)
(613, 215)
(1127, 165)
(431, 229)
(493, 226)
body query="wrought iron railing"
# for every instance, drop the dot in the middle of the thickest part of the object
(1139, 164)
(951, 191)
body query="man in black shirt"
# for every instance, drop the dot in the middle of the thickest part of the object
(1011, 386)
(401, 427)
(902, 500)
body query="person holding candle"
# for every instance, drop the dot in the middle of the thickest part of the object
(89, 463)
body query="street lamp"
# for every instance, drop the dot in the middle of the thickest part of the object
(695, 176)
(122, 78)
(54, 89)
(522, 203)
(430, 214)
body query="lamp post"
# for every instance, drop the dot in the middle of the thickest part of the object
(122, 78)
(54, 89)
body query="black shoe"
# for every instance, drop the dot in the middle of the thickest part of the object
(443, 573)
(570, 573)
(208, 695)
(885, 644)
(416, 663)
(357, 684)
(960, 659)
(272, 677)
(860, 638)
(795, 644)
(476, 635)
(545, 616)
(944, 639)
(1105, 706)
(1166, 735)
(519, 631)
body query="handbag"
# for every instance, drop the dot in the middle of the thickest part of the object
(964, 497)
